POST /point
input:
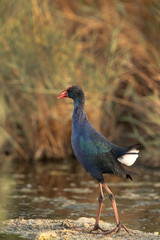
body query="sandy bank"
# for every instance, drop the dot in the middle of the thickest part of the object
(46, 229)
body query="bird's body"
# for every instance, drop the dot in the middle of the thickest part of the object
(97, 154)
(92, 149)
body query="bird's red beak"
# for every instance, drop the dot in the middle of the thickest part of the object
(63, 94)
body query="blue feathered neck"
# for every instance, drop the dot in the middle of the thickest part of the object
(79, 114)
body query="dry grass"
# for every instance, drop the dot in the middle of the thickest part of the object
(109, 48)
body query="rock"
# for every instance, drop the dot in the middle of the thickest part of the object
(156, 233)
(50, 235)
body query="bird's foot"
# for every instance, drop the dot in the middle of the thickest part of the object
(95, 228)
(117, 229)
(110, 232)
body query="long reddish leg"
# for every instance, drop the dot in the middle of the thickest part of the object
(100, 199)
(119, 224)
(111, 196)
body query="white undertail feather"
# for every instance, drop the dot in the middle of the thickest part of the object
(129, 158)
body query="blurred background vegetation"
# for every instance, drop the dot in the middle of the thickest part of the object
(109, 48)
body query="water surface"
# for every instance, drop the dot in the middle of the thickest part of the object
(65, 190)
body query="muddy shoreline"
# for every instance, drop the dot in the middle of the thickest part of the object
(47, 229)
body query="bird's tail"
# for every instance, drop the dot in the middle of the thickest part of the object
(138, 146)
(130, 156)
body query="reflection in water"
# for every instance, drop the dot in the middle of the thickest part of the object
(66, 191)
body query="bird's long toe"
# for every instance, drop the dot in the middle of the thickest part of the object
(113, 231)
(96, 228)
(126, 229)
(117, 229)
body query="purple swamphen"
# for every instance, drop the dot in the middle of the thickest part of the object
(97, 154)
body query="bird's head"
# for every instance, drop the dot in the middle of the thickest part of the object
(73, 92)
